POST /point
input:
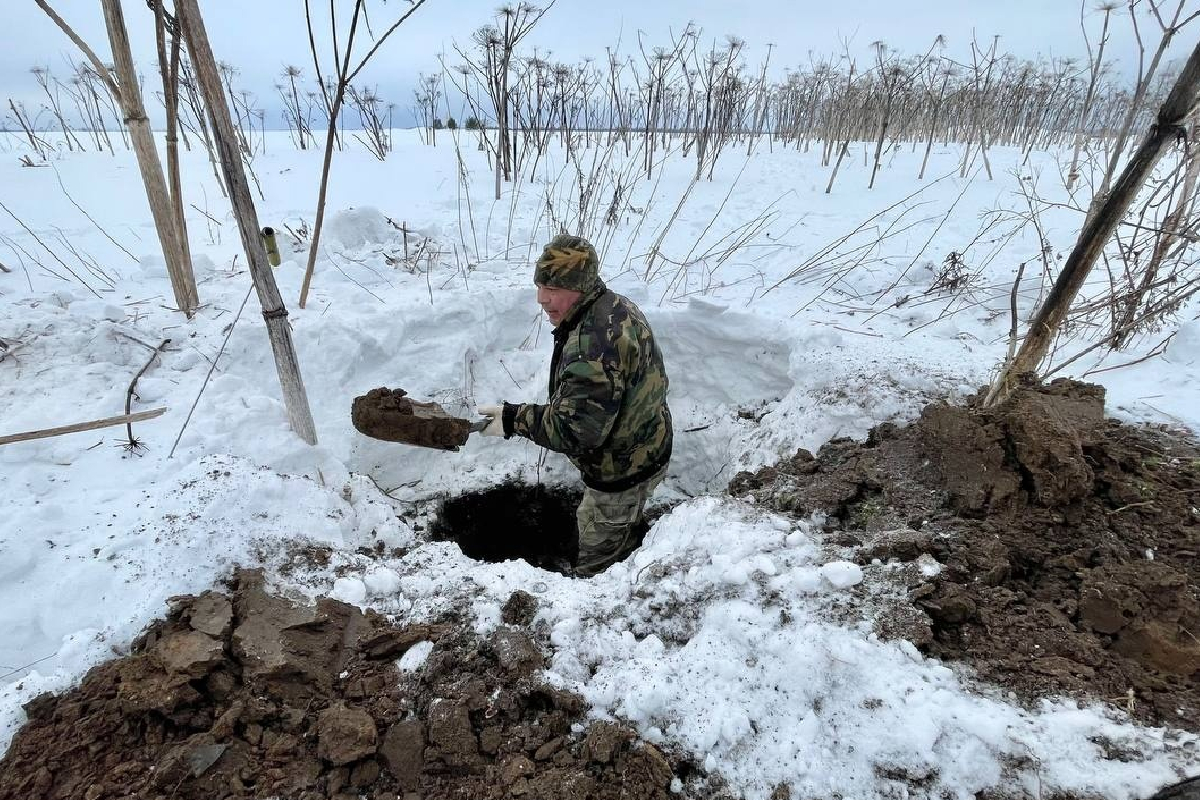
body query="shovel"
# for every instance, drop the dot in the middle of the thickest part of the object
(391, 416)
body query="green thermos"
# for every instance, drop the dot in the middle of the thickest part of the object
(268, 236)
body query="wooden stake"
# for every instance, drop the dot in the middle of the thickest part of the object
(1099, 227)
(46, 433)
(169, 68)
(183, 281)
(124, 88)
(278, 329)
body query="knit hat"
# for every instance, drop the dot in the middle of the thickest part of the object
(568, 262)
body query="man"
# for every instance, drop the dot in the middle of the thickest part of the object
(607, 410)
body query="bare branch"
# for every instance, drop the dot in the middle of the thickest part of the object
(101, 70)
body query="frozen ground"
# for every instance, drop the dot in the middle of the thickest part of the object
(687, 640)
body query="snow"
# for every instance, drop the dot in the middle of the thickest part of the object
(731, 634)
(414, 658)
(842, 574)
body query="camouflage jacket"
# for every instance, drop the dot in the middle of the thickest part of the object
(608, 395)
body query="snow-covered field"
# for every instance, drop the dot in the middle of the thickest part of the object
(689, 640)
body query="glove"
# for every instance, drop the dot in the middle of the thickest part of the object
(495, 416)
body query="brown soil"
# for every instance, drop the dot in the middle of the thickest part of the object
(1068, 542)
(390, 415)
(248, 695)
(1068, 545)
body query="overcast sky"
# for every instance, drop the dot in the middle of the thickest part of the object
(260, 36)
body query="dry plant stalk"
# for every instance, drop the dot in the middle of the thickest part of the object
(334, 97)
(131, 443)
(122, 83)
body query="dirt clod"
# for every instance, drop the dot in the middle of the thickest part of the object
(520, 609)
(390, 415)
(345, 735)
(1066, 542)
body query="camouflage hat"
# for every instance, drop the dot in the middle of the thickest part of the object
(568, 262)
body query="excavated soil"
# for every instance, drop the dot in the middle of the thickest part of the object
(1068, 542)
(246, 695)
(390, 415)
(1067, 545)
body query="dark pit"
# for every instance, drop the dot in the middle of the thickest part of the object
(513, 520)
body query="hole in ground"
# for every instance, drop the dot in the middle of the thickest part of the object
(513, 520)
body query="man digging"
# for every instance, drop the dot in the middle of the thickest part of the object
(607, 410)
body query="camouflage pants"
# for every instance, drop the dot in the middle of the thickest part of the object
(606, 524)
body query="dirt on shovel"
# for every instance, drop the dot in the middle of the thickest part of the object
(390, 415)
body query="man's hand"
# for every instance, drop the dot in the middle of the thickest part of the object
(495, 415)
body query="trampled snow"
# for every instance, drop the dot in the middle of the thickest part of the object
(733, 634)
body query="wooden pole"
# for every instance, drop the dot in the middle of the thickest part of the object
(46, 433)
(183, 282)
(124, 89)
(169, 69)
(1099, 227)
(278, 329)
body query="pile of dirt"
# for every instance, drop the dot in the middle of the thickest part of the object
(248, 695)
(390, 415)
(1068, 542)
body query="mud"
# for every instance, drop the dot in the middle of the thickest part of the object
(513, 521)
(390, 415)
(246, 695)
(1068, 543)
